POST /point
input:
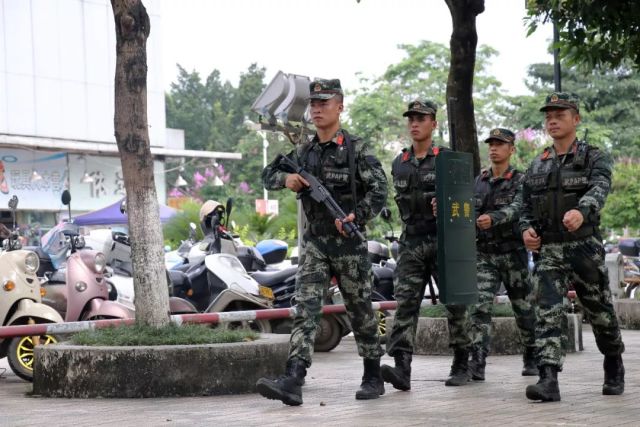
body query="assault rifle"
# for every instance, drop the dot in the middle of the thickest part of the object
(320, 194)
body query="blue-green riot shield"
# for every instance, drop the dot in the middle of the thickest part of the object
(457, 265)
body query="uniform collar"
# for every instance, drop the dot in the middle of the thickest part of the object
(550, 152)
(507, 174)
(408, 154)
(338, 138)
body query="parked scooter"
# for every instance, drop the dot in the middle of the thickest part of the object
(20, 302)
(630, 248)
(76, 285)
(217, 279)
(117, 249)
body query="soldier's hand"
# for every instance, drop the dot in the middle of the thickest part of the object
(434, 206)
(531, 240)
(483, 222)
(295, 182)
(349, 218)
(572, 220)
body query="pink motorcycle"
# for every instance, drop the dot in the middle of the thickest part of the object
(76, 286)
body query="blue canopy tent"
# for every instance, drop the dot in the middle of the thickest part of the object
(112, 215)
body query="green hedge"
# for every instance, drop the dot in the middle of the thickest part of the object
(168, 335)
(438, 310)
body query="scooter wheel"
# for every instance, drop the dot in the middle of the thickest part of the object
(328, 334)
(21, 355)
(381, 317)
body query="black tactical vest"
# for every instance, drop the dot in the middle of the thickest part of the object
(415, 184)
(492, 195)
(557, 185)
(329, 162)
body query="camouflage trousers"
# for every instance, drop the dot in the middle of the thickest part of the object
(416, 262)
(348, 260)
(581, 263)
(509, 269)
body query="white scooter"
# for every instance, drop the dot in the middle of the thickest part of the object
(217, 279)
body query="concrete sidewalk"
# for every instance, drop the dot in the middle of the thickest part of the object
(329, 398)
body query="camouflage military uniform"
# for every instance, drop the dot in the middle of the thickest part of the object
(581, 180)
(554, 185)
(502, 259)
(327, 252)
(414, 181)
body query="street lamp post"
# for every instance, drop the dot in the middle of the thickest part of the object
(265, 145)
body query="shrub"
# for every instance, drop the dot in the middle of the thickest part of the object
(169, 335)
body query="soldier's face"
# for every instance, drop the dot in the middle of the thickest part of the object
(325, 113)
(500, 151)
(421, 126)
(560, 123)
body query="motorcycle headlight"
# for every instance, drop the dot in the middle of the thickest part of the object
(31, 263)
(100, 262)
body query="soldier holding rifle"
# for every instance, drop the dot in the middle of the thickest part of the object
(354, 178)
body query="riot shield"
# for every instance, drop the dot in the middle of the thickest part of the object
(457, 264)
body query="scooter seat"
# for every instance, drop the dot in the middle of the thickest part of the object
(270, 278)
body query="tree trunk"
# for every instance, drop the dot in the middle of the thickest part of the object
(464, 39)
(131, 132)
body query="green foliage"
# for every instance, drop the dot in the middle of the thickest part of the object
(438, 310)
(622, 208)
(597, 33)
(608, 105)
(376, 111)
(611, 113)
(171, 334)
(177, 228)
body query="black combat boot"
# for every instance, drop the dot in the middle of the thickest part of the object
(529, 366)
(372, 386)
(613, 375)
(459, 374)
(400, 376)
(547, 388)
(478, 363)
(287, 387)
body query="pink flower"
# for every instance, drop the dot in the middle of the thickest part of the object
(244, 187)
(198, 180)
(175, 193)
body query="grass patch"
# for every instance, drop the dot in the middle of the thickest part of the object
(168, 335)
(438, 310)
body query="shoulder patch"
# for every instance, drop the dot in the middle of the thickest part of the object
(435, 150)
(406, 155)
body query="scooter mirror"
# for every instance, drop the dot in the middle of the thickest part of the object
(66, 197)
(13, 203)
(79, 242)
(385, 213)
(123, 207)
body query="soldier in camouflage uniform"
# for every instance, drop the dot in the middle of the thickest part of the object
(559, 205)
(414, 179)
(502, 257)
(346, 165)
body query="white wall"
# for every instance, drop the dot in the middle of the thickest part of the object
(57, 62)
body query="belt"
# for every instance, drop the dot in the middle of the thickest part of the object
(498, 248)
(424, 228)
(565, 236)
(328, 229)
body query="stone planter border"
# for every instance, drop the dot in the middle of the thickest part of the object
(64, 370)
(432, 335)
